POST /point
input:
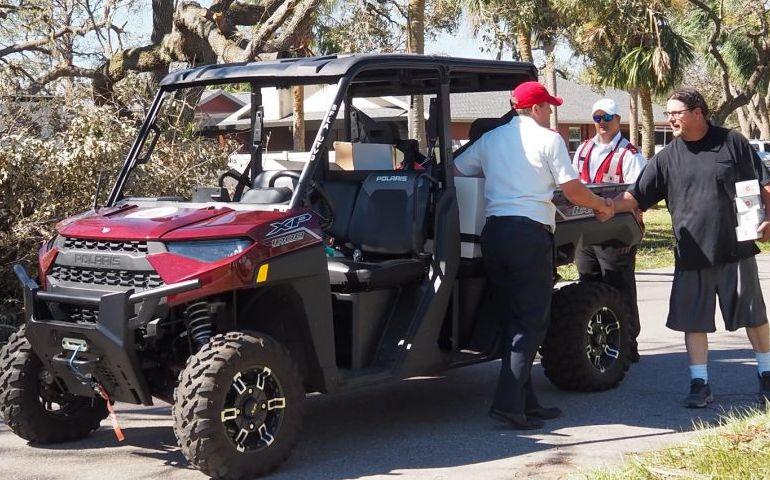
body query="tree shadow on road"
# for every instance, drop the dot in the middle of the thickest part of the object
(437, 423)
(442, 423)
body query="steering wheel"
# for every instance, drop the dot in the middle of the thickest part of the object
(284, 174)
(317, 199)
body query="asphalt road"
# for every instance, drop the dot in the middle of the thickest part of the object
(437, 428)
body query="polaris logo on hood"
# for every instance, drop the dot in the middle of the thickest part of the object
(391, 178)
(91, 260)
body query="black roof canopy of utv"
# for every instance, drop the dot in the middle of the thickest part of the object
(372, 74)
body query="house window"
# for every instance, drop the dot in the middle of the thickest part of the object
(574, 138)
(663, 135)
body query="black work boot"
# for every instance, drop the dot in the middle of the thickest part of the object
(764, 389)
(700, 394)
(517, 421)
(545, 413)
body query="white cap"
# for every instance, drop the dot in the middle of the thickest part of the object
(607, 105)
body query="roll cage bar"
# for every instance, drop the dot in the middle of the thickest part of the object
(354, 76)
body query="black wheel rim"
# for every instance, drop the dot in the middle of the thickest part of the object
(254, 409)
(603, 339)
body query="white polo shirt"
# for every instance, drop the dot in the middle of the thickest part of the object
(633, 163)
(523, 164)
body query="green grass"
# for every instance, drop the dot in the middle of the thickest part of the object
(739, 449)
(657, 248)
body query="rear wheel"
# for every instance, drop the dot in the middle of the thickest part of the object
(238, 406)
(35, 405)
(588, 345)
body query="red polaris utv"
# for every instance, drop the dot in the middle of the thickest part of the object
(357, 265)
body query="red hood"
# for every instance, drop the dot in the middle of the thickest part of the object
(151, 223)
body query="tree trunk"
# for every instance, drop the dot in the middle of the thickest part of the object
(69, 83)
(162, 23)
(524, 43)
(415, 43)
(298, 124)
(763, 122)
(648, 124)
(200, 36)
(550, 78)
(754, 118)
(767, 113)
(633, 117)
(305, 36)
(744, 120)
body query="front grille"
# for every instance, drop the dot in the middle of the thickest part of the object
(137, 246)
(107, 378)
(98, 276)
(79, 314)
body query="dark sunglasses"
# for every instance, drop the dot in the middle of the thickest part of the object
(607, 117)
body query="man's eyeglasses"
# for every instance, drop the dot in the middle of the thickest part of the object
(607, 117)
(677, 113)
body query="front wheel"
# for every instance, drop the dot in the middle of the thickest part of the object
(588, 344)
(35, 405)
(238, 406)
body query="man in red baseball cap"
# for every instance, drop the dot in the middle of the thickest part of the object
(523, 162)
(528, 94)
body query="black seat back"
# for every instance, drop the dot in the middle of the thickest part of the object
(390, 212)
(267, 195)
(264, 194)
(343, 195)
(480, 126)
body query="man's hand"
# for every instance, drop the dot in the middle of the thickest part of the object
(606, 212)
(764, 229)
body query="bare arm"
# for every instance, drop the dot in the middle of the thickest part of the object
(625, 202)
(580, 195)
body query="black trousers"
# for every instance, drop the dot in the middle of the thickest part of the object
(615, 267)
(518, 257)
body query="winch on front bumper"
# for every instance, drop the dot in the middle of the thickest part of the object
(83, 355)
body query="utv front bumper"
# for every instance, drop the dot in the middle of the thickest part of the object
(83, 354)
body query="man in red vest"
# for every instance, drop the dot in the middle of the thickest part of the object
(610, 158)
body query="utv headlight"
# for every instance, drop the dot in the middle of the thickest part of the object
(209, 250)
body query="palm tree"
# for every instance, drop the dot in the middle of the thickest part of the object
(633, 117)
(514, 23)
(632, 45)
(520, 24)
(415, 43)
(653, 69)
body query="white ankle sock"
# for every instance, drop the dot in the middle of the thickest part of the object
(699, 371)
(763, 362)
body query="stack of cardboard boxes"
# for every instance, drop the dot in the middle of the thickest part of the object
(751, 212)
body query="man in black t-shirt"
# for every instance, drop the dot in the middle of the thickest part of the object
(696, 175)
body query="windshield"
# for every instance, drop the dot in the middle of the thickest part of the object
(203, 138)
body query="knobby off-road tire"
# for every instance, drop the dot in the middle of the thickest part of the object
(5, 333)
(587, 347)
(35, 410)
(238, 406)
